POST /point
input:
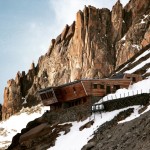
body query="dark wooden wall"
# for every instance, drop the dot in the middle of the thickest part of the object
(71, 92)
(131, 76)
(141, 99)
(90, 90)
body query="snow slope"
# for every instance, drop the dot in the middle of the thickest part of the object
(141, 62)
(142, 55)
(73, 140)
(17, 122)
(134, 115)
(138, 66)
(76, 139)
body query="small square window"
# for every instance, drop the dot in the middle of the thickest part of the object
(95, 86)
(74, 89)
(44, 96)
(102, 86)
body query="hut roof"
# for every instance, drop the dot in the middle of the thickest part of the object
(117, 76)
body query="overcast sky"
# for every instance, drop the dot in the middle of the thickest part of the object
(27, 27)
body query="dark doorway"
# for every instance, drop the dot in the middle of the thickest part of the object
(84, 100)
(116, 87)
(108, 89)
(133, 79)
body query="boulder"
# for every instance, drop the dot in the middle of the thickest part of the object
(88, 146)
(34, 132)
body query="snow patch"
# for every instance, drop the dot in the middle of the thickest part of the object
(138, 66)
(143, 85)
(142, 55)
(142, 21)
(25, 101)
(124, 38)
(148, 70)
(136, 46)
(17, 122)
(134, 115)
(123, 68)
(145, 16)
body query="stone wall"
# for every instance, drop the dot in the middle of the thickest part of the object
(141, 99)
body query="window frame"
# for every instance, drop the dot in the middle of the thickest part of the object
(102, 86)
(95, 85)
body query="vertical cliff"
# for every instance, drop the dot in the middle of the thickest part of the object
(137, 22)
(92, 47)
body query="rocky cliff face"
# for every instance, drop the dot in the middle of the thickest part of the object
(137, 23)
(93, 46)
(16, 94)
(129, 135)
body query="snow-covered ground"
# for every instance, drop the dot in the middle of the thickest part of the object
(135, 114)
(76, 139)
(148, 70)
(17, 122)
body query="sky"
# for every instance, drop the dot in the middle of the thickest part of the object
(27, 27)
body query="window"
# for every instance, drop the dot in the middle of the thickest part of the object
(49, 94)
(116, 87)
(84, 100)
(133, 79)
(74, 90)
(102, 86)
(95, 86)
(43, 96)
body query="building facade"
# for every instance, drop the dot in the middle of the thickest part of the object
(82, 91)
